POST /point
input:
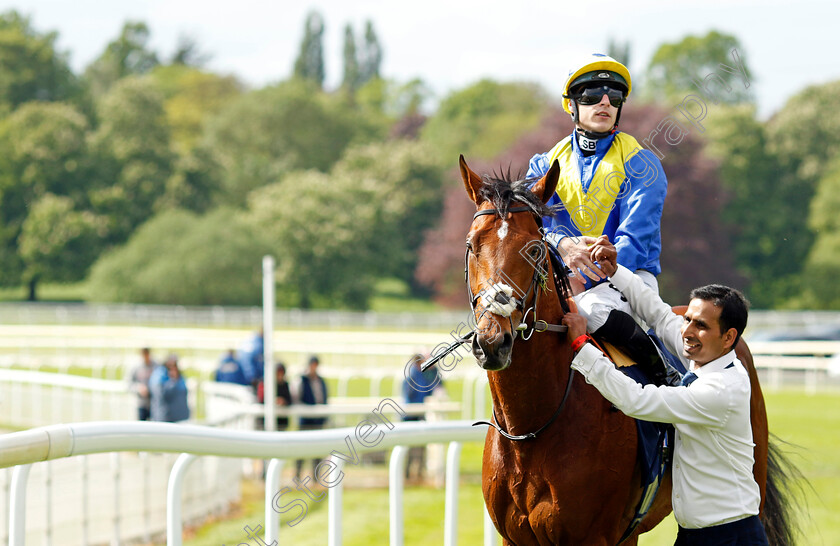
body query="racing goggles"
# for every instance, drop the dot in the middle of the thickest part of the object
(592, 95)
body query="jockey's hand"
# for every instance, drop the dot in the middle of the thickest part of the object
(575, 252)
(605, 254)
(576, 324)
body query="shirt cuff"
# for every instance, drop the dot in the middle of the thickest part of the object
(555, 238)
(586, 358)
(621, 278)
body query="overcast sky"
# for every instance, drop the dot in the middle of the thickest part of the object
(450, 44)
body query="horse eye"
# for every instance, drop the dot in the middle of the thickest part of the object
(535, 251)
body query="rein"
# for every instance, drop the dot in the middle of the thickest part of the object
(532, 435)
(537, 327)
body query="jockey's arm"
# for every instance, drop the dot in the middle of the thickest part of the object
(637, 237)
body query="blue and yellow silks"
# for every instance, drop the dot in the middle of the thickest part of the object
(619, 191)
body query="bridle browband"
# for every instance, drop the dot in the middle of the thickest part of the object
(538, 326)
(486, 212)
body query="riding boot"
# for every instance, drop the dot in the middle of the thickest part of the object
(622, 331)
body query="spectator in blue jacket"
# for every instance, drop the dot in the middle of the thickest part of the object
(169, 392)
(416, 387)
(252, 359)
(419, 385)
(230, 370)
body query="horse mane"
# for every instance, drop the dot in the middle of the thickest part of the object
(501, 190)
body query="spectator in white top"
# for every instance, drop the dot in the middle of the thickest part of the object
(715, 496)
(140, 384)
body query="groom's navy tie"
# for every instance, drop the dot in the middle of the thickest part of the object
(688, 379)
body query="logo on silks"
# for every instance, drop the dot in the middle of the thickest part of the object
(588, 144)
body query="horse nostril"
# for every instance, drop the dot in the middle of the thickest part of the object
(507, 342)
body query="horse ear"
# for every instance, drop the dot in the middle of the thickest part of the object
(472, 182)
(546, 186)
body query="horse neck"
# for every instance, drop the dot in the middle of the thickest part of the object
(529, 391)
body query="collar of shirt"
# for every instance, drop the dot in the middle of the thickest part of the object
(715, 365)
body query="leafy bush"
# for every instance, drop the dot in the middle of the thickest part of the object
(179, 258)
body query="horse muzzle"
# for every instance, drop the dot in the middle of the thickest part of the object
(493, 350)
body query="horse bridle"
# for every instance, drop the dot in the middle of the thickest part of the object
(539, 278)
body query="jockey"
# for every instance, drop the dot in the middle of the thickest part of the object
(608, 186)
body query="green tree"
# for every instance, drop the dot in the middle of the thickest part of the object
(128, 55)
(763, 238)
(404, 179)
(133, 155)
(310, 61)
(58, 242)
(191, 97)
(361, 64)
(680, 68)
(180, 258)
(30, 67)
(188, 53)
(805, 138)
(44, 152)
(804, 133)
(822, 266)
(371, 55)
(320, 226)
(351, 80)
(266, 133)
(393, 100)
(194, 185)
(484, 119)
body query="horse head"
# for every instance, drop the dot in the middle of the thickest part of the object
(506, 258)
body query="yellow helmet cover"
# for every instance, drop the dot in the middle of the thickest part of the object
(596, 67)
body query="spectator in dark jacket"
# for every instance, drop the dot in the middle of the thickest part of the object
(283, 398)
(312, 391)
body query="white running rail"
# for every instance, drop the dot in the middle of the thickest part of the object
(21, 449)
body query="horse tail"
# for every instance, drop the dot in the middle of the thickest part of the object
(785, 486)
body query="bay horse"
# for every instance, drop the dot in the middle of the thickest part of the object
(559, 463)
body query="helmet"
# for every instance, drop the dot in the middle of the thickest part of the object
(596, 67)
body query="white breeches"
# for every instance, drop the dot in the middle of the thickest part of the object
(596, 303)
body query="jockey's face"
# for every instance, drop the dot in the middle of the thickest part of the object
(703, 340)
(598, 118)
